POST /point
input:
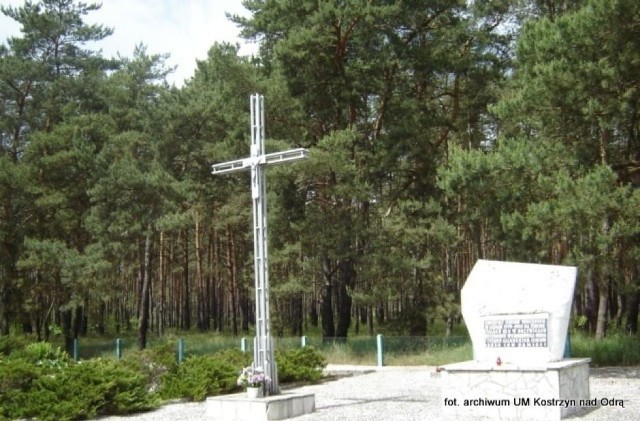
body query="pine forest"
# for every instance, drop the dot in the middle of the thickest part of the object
(439, 132)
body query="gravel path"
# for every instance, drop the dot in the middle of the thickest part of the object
(411, 393)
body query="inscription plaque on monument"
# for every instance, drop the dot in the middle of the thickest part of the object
(523, 331)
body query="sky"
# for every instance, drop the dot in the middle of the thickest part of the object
(185, 29)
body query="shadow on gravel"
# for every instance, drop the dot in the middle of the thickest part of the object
(354, 401)
(325, 379)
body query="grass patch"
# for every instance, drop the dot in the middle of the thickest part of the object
(433, 357)
(615, 350)
(344, 353)
(399, 350)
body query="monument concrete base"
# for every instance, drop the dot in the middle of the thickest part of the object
(549, 391)
(239, 407)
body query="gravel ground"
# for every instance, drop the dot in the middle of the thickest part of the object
(412, 393)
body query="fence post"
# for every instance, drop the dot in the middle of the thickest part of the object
(567, 346)
(180, 350)
(118, 348)
(76, 350)
(303, 341)
(243, 344)
(380, 350)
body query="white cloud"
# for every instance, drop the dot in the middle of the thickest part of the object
(185, 29)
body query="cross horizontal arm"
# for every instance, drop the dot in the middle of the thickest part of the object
(271, 158)
(286, 156)
(231, 166)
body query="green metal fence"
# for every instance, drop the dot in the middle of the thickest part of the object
(364, 349)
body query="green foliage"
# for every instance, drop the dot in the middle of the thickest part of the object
(300, 365)
(81, 390)
(12, 343)
(201, 376)
(154, 364)
(43, 354)
(17, 378)
(412, 174)
(615, 350)
(234, 357)
(99, 387)
(204, 375)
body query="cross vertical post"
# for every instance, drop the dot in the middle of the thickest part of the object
(263, 350)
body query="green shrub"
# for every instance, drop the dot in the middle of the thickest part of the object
(124, 390)
(16, 377)
(43, 354)
(81, 390)
(235, 357)
(199, 377)
(12, 343)
(98, 387)
(302, 364)
(154, 364)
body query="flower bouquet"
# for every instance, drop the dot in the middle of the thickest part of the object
(253, 379)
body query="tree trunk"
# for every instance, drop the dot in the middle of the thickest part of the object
(11, 239)
(590, 305)
(214, 279)
(138, 279)
(634, 301)
(231, 268)
(203, 320)
(601, 327)
(162, 286)
(4, 309)
(143, 316)
(176, 289)
(186, 300)
(326, 304)
(620, 309)
(449, 327)
(345, 281)
(101, 328)
(66, 319)
(80, 322)
(356, 328)
(313, 312)
(380, 313)
(244, 308)
(296, 315)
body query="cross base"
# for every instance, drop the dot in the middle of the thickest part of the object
(239, 407)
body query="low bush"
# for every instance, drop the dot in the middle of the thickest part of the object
(154, 364)
(300, 365)
(81, 390)
(42, 382)
(235, 357)
(43, 354)
(16, 379)
(12, 343)
(201, 376)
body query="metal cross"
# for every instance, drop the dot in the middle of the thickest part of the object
(263, 356)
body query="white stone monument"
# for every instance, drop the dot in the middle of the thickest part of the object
(517, 315)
